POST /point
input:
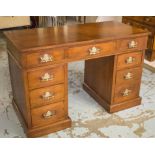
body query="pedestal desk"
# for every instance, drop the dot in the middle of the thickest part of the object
(38, 58)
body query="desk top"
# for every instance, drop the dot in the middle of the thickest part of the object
(68, 35)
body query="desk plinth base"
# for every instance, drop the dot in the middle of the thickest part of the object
(42, 130)
(111, 107)
(50, 128)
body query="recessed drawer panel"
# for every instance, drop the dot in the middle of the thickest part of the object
(91, 51)
(129, 60)
(128, 76)
(47, 95)
(126, 92)
(132, 44)
(45, 77)
(45, 57)
(48, 114)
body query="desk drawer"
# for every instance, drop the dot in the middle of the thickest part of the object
(47, 95)
(126, 92)
(47, 114)
(132, 44)
(128, 76)
(45, 57)
(45, 77)
(129, 60)
(89, 51)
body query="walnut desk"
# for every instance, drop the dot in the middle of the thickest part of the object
(38, 58)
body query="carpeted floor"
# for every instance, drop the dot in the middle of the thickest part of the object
(89, 118)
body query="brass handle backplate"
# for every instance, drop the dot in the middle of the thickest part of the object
(47, 95)
(94, 50)
(47, 77)
(49, 114)
(128, 76)
(132, 44)
(130, 60)
(46, 58)
(126, 92)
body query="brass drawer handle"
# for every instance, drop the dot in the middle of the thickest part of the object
(130, 60)
(94, 50)
(46, 58)
(132, 44)
(47, 77)
(126, 92)
(128, 76)
(47, 96)
(49, 114)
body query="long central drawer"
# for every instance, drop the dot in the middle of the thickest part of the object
(91, 51)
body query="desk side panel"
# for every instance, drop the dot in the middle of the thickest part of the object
(18, 88)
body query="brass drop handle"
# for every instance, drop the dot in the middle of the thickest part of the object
(49, 114)
(128, 76)
(130, 60)
(46, 58)
(47, 95)
(47, 77)
(126, 92)
(94, 50)
(132, 44)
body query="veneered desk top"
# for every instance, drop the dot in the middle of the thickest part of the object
(41, 38)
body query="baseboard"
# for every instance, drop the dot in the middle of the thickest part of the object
(125, 105)
(54, 127)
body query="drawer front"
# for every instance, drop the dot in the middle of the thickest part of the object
(46, 57)
(45, 77)
(47, 114)
(126, 92)
(129, 60)
(128, 76)
(132, 44)
(89, 51)
(47, 95)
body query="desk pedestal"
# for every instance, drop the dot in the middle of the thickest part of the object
(115, 88)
